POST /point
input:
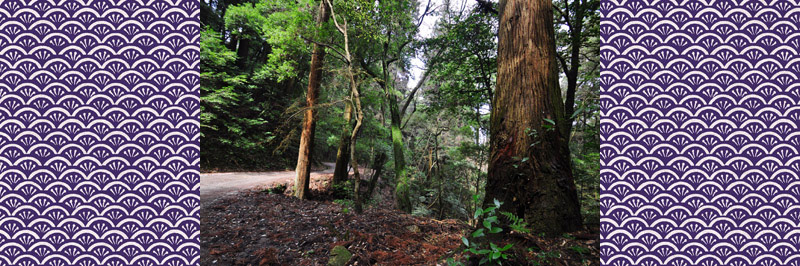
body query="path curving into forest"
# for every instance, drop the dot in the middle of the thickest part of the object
(218, 185)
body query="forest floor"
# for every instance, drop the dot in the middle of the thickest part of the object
(267, 227)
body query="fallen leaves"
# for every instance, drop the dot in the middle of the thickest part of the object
(259, 228)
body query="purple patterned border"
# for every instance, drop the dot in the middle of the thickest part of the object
(700, 107)
(99, 133)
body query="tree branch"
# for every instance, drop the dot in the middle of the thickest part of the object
(326, 45)
(409, 116)
(425, 13)
(563, 14)
(410, 96)
(563, 63)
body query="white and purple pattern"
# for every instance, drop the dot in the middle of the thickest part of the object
(98, 132)
(700, 107)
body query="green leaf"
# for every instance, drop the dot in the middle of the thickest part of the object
(550, 121)
(577, 112)
(478, 233)
(466, 242)
(495, 255)
(506, 247)
(497, 203)
(496, 230)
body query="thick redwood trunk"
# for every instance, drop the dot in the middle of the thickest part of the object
(529, 167)
(343, 154)
(303, 169)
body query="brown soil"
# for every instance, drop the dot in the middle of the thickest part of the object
(258, 228)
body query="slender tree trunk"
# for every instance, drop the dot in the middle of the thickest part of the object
(576, 39)
(353, 159)
(303, 168)
(343, 154)
(377, 165)
(355, 98)
(529, 166)
(402, 197)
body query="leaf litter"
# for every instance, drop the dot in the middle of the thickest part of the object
(257, 227)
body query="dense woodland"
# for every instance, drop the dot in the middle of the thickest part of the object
(470, 110)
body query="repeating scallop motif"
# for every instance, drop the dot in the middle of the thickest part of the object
(98, 132)
(700, 114)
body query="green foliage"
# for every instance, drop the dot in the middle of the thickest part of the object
(516, 223)
(493, 253)
(453, 262)
(466, 65)
(231, 119)
(343, 190)
(277, 24)
(421, 210)
(213, 53)
(579, 249)
(279, 189)
(544, 257)
(252, 65)
(245, 21)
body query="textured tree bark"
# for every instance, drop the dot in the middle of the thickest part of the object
(303, 168)
(359, 115)
(343, 154)
(529, 167)
(402, 198)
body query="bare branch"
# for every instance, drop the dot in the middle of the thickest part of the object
(410, 96)
(427, 12)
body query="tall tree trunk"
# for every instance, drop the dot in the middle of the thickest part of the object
(402, 197)
(576, 41)
(343, 154)
(529, 167)
(357, 201)
(303, 168)
(355, 98)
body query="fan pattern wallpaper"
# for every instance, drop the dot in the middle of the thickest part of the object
(701, 108)
(99, 133)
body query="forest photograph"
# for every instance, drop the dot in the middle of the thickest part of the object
(399, 132)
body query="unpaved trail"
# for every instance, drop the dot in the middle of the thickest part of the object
(216, 185)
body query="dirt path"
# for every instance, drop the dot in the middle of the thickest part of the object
(217, 185)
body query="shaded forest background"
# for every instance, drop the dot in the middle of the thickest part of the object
(255, 63)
